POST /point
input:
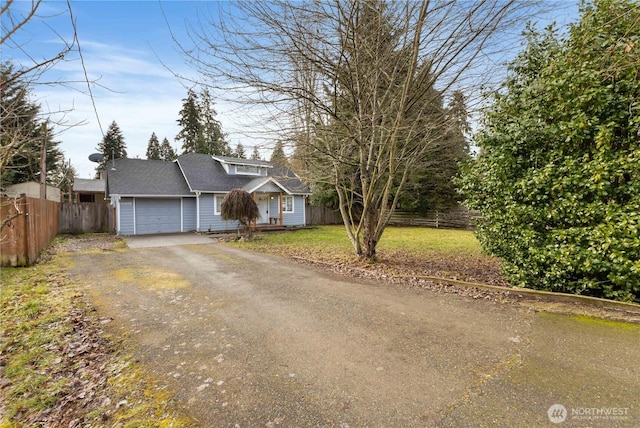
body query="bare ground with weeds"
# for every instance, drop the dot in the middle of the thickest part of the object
(58, 365)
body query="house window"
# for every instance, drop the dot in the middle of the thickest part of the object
(287, 204)
(218, 204)
(247, 169)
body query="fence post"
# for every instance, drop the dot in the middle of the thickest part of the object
(26, 228)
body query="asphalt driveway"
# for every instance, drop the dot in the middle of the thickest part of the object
(249, 340)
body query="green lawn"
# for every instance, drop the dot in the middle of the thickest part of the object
(411, 240)
(402, 251)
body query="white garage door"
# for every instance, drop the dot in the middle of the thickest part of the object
(157, 216)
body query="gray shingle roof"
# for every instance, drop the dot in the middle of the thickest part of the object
(193, 172)
(145, 177)
(205, 174)
(88, 185)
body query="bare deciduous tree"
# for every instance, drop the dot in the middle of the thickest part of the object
(357, 84)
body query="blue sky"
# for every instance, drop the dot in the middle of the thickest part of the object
(127, 48)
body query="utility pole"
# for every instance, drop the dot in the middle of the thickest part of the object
(43, 163)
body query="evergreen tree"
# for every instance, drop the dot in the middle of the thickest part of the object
(255, 155)
(21, 133)
(239, 152)
(557, 178)
(153, 148)
(278, 156)
(112, 145)
(190, 133)
(166, 151)
(431, 186)
(200, 131)
(214, 142)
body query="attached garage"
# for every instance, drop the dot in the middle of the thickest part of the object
(157, 216)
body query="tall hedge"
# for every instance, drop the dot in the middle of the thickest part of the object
(558, 175)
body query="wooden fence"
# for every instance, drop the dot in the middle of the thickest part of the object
(457, 218)
(33, 224)
(322, 215)
(86, 217)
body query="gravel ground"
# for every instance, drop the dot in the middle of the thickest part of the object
(245, 339)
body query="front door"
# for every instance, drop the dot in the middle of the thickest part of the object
(263, 208)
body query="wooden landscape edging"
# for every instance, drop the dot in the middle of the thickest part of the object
(557, 296)
(524, 292)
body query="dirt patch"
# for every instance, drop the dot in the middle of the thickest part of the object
(87, 242)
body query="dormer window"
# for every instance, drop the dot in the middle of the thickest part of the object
(237, 166)
(247, 169)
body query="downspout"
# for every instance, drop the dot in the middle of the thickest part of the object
(304, 210)
(115, 200)
(281, 208)
(198, 209)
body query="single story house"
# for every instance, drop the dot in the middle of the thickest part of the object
(152, 196)
(32, 190)
(88, 190)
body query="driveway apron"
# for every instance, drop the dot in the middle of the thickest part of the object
(246, 339)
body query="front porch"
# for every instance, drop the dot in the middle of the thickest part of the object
(270, 210)
(268, 227)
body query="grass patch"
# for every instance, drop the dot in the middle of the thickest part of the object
(333, 240)
(402, 252)
(57, 364)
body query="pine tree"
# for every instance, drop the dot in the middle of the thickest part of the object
(112, 145)
(200, 131)
(21, 132)
(431, 186)
(213, 139)
(190, 127)
(278, 156)
(166, 151)
(153, 148)
(255, 155)
(239, 152)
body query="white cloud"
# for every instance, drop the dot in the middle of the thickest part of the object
(136, 91)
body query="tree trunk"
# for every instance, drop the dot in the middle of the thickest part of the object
(370, 233)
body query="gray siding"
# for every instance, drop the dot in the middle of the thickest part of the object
(296, 218)
(209, 220)
(270, 187)
(126, 216)
(274, 206)
(189, 215)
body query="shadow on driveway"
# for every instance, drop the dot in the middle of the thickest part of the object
(166, 240)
